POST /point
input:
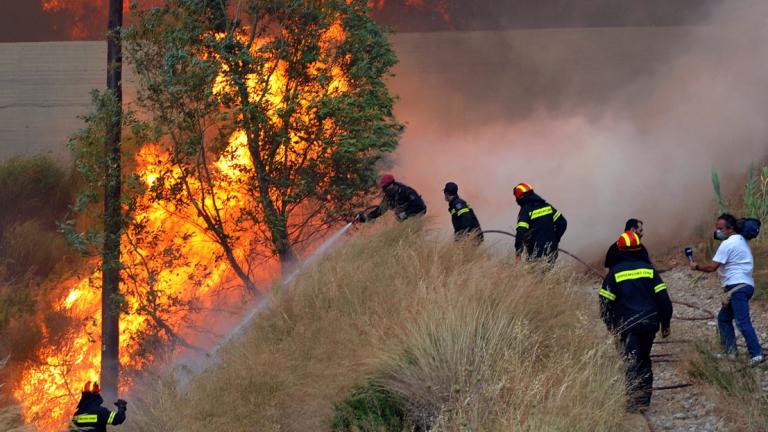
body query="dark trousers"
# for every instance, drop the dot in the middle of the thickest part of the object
(636, 346)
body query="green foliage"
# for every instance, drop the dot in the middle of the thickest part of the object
(34, 187)
(313, 145)
(756, 194)
(718, 193)
(754, 198)
(83, 228)
(369, 408)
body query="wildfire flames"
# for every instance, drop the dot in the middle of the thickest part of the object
(171, 279)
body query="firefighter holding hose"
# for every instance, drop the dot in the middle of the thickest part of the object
(463, 218)
(91, 416)
(634, 304)
(403, 200)
(540, 226)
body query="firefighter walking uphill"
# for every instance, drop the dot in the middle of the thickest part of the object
(634, 303)
(403, 200)
(463, 218)
(91, 416)
(540, 226)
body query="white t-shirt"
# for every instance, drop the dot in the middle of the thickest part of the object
(736, 262)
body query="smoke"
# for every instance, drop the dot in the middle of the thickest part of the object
(606, 123)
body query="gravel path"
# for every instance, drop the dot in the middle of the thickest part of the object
(691, 408)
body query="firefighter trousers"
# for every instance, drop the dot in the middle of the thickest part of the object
(636, 347)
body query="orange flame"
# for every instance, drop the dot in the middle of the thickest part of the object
(179, 264)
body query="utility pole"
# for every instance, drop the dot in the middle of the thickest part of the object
(110, 291)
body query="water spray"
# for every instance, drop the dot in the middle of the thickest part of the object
(264, 302)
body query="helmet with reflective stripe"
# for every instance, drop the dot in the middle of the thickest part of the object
(522, 189)
(386, 180)
(628, 241)
(91, 387)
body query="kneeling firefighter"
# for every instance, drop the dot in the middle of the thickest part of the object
(634, 303)
(91, 416)
(540, 226)
(403, 200)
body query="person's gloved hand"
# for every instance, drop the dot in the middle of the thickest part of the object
(402, 216)
(121, 404)
(360, 217)
(665, 332)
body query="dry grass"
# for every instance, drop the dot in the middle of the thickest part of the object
(469, 341)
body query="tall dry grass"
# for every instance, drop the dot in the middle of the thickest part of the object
(466, 340)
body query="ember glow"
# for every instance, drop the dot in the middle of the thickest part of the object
(174, 275)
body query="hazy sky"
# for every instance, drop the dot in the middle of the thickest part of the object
(52, 20)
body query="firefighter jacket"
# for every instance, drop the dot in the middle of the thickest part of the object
(403, 200)
(634, 298)
(540, 227)
(613, 256)
(464, 219)
(92, 417)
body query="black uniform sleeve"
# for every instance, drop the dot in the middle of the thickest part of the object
(378, 211)
(560, 225)
(607, 301)
(663, 302)
(523, 226)
(107, 417)
(644, 254)
(612, 256)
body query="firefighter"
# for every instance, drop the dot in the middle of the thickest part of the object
(539, 225)
(91, 416)
(401, 199)
(463, 218)
(612, 257)
(634, 303)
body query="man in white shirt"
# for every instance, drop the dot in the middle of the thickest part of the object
(734, 264)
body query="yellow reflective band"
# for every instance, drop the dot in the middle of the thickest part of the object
(556, 216)
(523, 225)
(541, 212)
(634, 274)
(111, 417)
(86, 418)
(462, 211)
(660, 287)
(453, 211)
(607, 294)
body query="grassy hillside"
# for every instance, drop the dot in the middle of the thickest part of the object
(395, 330)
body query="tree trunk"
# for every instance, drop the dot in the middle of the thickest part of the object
(110, 313)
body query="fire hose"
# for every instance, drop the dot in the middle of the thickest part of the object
(704, 315)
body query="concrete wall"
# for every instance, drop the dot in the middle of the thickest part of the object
(45, 86)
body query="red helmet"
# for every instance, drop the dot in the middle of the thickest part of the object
(522, 189)
(628, 241)
(91, 387)
(386, 180)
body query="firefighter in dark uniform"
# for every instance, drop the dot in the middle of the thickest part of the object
(403, 200)
(463, 218)
(91, 416)
(634, 304)
(613, 257)
(539, 225)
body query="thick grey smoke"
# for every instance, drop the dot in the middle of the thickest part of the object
(606, 123)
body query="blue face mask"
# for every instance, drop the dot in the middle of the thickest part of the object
(720, 235)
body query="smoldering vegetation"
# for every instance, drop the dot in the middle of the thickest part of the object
(396, 329)
(607, 123)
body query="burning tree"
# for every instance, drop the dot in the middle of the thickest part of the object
(261, 127)
(290, 92)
